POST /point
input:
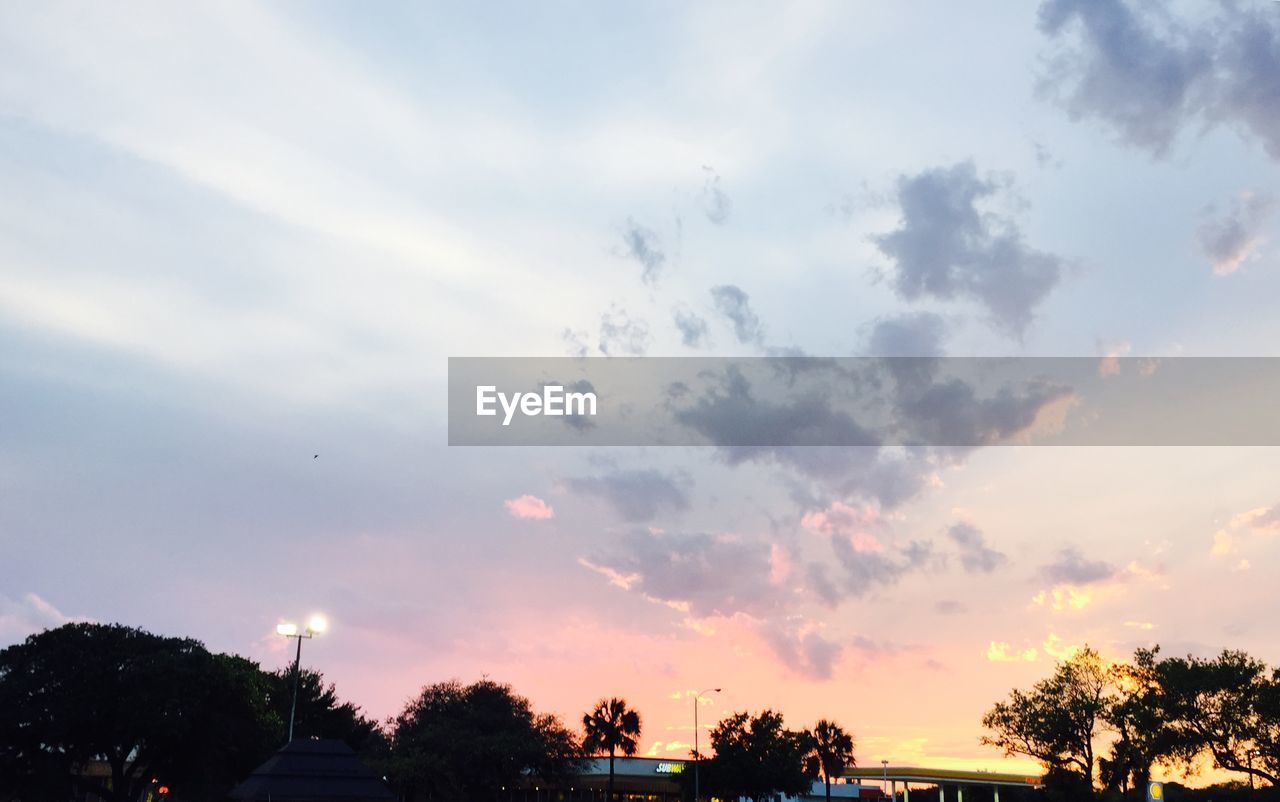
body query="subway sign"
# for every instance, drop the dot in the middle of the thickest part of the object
(669, 768)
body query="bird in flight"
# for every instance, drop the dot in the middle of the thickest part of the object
(314, 456)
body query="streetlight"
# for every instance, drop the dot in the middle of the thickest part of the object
(697, 756)
(883, 790)
(315, 626)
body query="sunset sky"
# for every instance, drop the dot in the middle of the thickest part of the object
(238, 236)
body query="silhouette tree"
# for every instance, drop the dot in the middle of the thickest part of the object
(466, 742)
(832, 751)
(321, 714)
(611, 727)
(756, 757)
(145, 706)
(1057, 721)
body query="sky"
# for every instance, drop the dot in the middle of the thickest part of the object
(234, 237)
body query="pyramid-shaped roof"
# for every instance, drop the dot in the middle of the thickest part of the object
(313, 771)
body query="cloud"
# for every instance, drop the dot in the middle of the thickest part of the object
(692, 327)
(1063, 597)
(827, 445)
(529, 508)
(1002, 652)
(918, 334)
(975, 556)
(27, 615)
(735, 305)
(949, 607)
(636, 495)
(1146, 75)
(946, 247)
(705, 575)
(1230, 239)
(1258, 522)
(715, 203)
(804, 651)
(841, 518)
(622, 334)
(642, 244)
(1071, 568)
(951, 413)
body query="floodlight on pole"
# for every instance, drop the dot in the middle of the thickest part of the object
(317, 625)
(697, 756)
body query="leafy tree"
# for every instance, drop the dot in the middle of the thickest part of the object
(466, 742)
(611, 727)
(1228, 707)
(1057, 721)
(832, 751)
(756, 757)
(320, 714)
(1139, 720)
(147, 706)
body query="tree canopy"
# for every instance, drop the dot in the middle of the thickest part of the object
(466, 742)
(756, 756)
(831, 752)
(149, 707)
(153, 710)
(1151, 711)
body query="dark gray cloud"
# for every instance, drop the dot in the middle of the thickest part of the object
(716, 204)
(950, 411)
(947, 248)
(976, 557)
(692, 327)
(1232, 237)
(622, 334)
(915, 334)
(828, 445)
(949, 607)
(1147, 75)
(1137, 72)
(721, 575)
(1071, 568)
(805, 652)
(735, 305)
(643, 245)
(636, 495)
(714, 575)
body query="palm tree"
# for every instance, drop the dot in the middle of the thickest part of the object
(832, 751)
(611, 727)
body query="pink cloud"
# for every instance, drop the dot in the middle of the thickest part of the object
(840, 517)
(529, 508)
(850, 522)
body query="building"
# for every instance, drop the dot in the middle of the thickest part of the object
(644, 779)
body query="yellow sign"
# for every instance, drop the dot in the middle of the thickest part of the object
(1155, 792)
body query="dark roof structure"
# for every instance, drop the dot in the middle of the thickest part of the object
(313, 771)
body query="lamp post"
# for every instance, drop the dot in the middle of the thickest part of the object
(315, 626)
(885, 790)
(697, 756)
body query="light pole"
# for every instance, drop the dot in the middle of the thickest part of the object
(884, 791)
(697, 756)
(315, 626)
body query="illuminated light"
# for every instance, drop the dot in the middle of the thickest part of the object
(318, 624)
(288, 630)
(162, 790)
